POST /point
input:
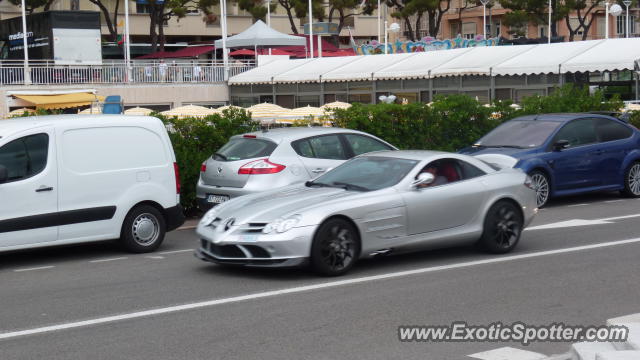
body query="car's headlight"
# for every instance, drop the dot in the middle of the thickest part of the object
(282, 224)
(208, 218)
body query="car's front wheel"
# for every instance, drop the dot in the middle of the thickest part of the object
(143, 229)
(335, 247)
(632, 180)
(541, 185)
(502, 228)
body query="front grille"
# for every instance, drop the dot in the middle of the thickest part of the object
(228, 251)
(257, 251)
(253, 227)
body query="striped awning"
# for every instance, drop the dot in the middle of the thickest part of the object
(61, 101)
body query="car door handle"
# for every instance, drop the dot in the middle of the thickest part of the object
(317, 171)
(44, 188)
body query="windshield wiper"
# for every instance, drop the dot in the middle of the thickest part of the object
(222, 156)
(314, 183)
(348, 186)
(502, 146)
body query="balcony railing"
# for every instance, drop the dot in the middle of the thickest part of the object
(48, 73)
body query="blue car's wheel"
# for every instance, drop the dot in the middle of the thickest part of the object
(632, 180)
(541, 185)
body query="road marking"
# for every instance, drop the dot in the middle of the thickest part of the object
(34, 268)
(614, 201)
(154, 257)
(178, 251)
(508, 353)
(581, 222)
(568, 223)
(108, 259)
(300, 289)
(575, 205)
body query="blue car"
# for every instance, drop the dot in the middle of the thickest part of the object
(566, 154)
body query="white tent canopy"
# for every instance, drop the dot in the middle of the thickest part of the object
(582, 56)
(259, 34)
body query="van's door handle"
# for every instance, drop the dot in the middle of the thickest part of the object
(317, 171)
(44, 188)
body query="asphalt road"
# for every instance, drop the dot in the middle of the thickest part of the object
(97, 302)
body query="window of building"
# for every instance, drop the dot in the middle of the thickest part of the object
(469, 30)
(621, 24)
(143, 8)
(308, 100)
(454, 27)
(497, 29)
(575, 23)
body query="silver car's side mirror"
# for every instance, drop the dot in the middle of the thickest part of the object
(423, 179)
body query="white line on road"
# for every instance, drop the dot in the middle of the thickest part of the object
(108, 259)
(155, 257)
(34, 268)
(614, 201)
(174, 251)
(300, 289)
(575, 205)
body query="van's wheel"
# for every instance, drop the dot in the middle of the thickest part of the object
(632, 180)
(335, 248)
(502, 228)
(143, 229)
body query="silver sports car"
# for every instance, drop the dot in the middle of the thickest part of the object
(373, 205)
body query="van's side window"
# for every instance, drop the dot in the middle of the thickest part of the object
(25, 157)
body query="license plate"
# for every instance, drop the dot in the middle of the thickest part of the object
(217, 199)
(249, 238)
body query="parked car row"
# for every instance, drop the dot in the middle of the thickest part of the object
(325, 197)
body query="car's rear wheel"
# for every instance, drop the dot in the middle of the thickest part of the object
(335, 247)
(502, 228)
(143, 229)
(541, 185)
(632, 180)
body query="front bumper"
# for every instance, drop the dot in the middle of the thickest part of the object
(234, 247)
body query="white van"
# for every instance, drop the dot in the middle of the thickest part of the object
(75, 178)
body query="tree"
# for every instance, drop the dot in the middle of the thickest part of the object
(111, 19)
(31, 5)
(525, 11)
(582, 11)
(161, 12)
(257, 8)
(434, 10)
(344, 9)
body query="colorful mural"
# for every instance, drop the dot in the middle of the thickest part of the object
(426, 44)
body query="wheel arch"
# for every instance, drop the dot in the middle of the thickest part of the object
(509, 199)
(152, 204)
(347, 219)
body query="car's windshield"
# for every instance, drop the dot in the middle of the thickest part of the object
(519, 134)
(367, 173)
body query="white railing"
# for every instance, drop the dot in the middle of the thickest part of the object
(47, 72)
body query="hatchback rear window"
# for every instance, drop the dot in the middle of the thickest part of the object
(244, 148)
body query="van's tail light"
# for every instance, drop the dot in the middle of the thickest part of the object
(176, 171)
(262, 166)
(203, 167)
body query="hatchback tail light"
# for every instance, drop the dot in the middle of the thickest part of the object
(262, 166)
(203, 167)
(176, 172)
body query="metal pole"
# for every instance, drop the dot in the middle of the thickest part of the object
(319, 46)
(127, 49)
(484, 20)
(626, 22)
(225, 56)
(25, 45)
(311, 29)
(606, 20)
(549, 28)
(385, 37)
(269, 13)
(379, 32)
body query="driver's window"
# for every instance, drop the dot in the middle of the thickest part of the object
(25, 157)
(578, 132)
(444, 171)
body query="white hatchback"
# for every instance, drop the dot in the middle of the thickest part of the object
(72, 178)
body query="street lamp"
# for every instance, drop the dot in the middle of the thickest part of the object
(626, 22)
(614, 10)
(269, 13)
(484, 18)
(394, 28)
(25, 46)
